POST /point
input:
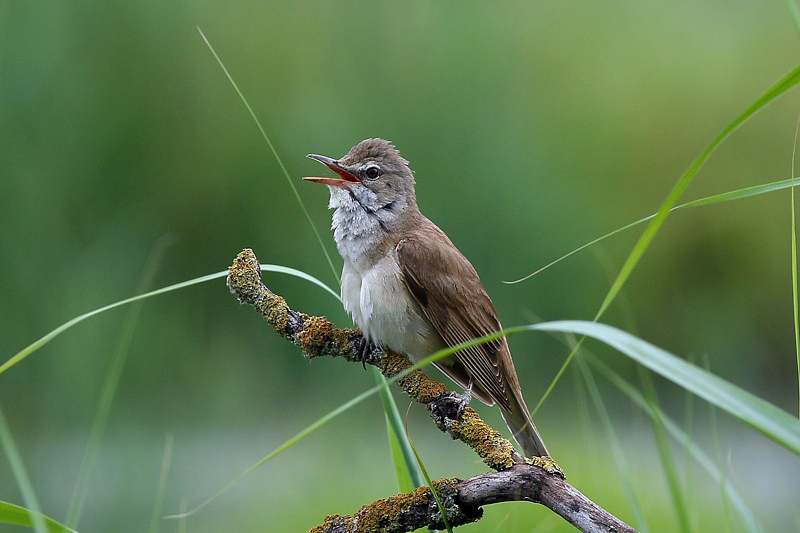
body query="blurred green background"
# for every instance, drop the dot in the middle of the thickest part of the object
(533, 127)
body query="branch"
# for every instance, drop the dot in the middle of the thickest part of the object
(537, 480)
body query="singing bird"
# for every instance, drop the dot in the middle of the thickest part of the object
(408, 287)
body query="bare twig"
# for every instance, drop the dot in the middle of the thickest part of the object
(537, 479)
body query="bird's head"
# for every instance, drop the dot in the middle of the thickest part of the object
(373, 174)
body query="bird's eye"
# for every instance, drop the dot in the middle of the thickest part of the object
(372, 172)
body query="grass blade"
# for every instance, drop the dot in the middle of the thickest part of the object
(616, 450)
(28, 350)
(430, 485)
(285, 446)
(25, 352)
(795, 302)
(738, 194)
(773, 422)
(665, 452)
(19, 516)
(162, 485)
(409, 474)
(299, 274)
(401, 471)
(20, 475)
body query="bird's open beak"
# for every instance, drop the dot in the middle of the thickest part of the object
(332, 164)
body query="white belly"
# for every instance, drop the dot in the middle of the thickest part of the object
(386, 312)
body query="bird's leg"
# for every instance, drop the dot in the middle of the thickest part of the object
(365, 350)
(467, 397)
(464, 399)
(452, 405)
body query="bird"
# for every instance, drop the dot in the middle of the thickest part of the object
(409, 289)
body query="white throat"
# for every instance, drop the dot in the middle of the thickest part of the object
(358, 234)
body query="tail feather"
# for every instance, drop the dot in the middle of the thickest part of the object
(519, 421)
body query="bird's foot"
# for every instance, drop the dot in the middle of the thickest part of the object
(451, 406)
(547, 464)
(366, 351)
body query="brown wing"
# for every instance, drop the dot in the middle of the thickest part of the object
(451, 295)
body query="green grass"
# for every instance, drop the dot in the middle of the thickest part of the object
(772, 422)
(34, 518)
(20, 516)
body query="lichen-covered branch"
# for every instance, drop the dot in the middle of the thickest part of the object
(537, 480)
(317, 337)
(462, 501)
(404, 512)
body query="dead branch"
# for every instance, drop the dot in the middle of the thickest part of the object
(537, 480)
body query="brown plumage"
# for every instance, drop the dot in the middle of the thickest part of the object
(410, 289)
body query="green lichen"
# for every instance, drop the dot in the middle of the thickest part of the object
(547, 464)
(276, 312)
(392, 364)
(496, 451)
(314, 336)
(330, 522)
(403, 512)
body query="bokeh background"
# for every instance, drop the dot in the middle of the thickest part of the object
(533, 127)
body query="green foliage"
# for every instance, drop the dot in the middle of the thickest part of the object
(16, 515)
(773, 422)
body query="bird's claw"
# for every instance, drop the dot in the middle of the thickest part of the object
(451, 406)
(365, 349)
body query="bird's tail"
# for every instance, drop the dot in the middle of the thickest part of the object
(519, 421)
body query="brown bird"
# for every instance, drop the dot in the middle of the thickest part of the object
(408, 287)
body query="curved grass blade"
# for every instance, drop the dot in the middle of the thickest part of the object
(274, 152)
(19, 516)
(773, 422)
(299, 274)
(789, 81)
(20, 475)
(738, 194)
(25, 352)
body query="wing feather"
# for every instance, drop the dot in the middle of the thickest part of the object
(450, 293)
